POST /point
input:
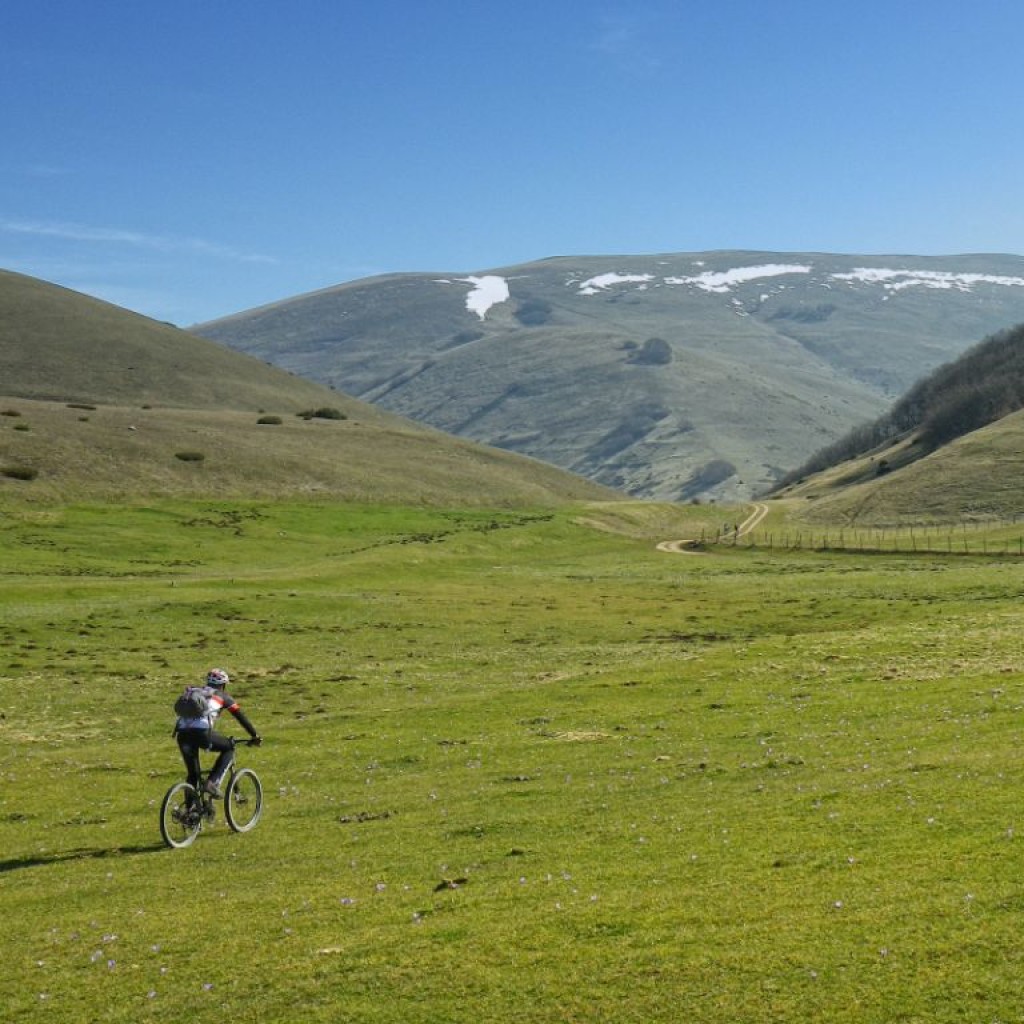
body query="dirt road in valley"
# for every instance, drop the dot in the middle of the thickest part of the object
(683, 547)
(754, 519)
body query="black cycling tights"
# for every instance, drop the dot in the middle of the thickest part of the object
(191, 741)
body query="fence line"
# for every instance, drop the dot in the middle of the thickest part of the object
(964, 539)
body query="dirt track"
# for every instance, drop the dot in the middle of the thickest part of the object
(686, 547)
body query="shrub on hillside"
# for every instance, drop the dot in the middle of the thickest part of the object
(274, 421)
(533, 312)
(324, 413)
(653, 352)
(190, 456)
(19, 472)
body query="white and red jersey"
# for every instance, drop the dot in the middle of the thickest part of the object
(216, 702)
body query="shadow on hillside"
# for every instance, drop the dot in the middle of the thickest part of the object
(16, 863)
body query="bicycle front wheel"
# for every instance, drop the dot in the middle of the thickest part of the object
(181, 815)
(243, 800)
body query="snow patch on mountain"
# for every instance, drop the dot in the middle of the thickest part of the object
(489, 290)
(897, 280)
(597, 284)
(709, 281)
(722, 281)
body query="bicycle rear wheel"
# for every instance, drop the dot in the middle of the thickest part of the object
(243, 800)
(181, 815)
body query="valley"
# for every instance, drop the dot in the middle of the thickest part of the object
(507, 711)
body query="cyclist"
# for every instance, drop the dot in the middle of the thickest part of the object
(197, 733)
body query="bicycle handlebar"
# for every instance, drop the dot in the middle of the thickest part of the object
(238, 742)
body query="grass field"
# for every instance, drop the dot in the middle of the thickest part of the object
(518, 767)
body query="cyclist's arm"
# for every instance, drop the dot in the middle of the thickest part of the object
(232, 705)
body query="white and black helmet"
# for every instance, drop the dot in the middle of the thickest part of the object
(217, 678)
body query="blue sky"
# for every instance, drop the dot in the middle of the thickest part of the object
(192, 159)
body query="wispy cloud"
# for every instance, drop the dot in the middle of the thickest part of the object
(45, 171)
(625, 39)
(71, 232)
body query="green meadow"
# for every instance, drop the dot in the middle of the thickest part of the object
(518, 765)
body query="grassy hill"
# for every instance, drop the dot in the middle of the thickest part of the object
(949, 450)
(99, 402)
(977, 477)
(982, 385)
(673, 376)
(60, 345)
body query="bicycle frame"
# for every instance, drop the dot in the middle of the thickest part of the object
(204, 774)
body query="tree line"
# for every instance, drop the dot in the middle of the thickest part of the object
(984, 384)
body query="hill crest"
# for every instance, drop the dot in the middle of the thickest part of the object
(98, 402)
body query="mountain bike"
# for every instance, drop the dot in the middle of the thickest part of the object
(185, 809)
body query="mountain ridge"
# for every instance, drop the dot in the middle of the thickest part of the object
(674, 376)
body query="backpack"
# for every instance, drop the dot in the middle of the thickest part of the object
(192, 703)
